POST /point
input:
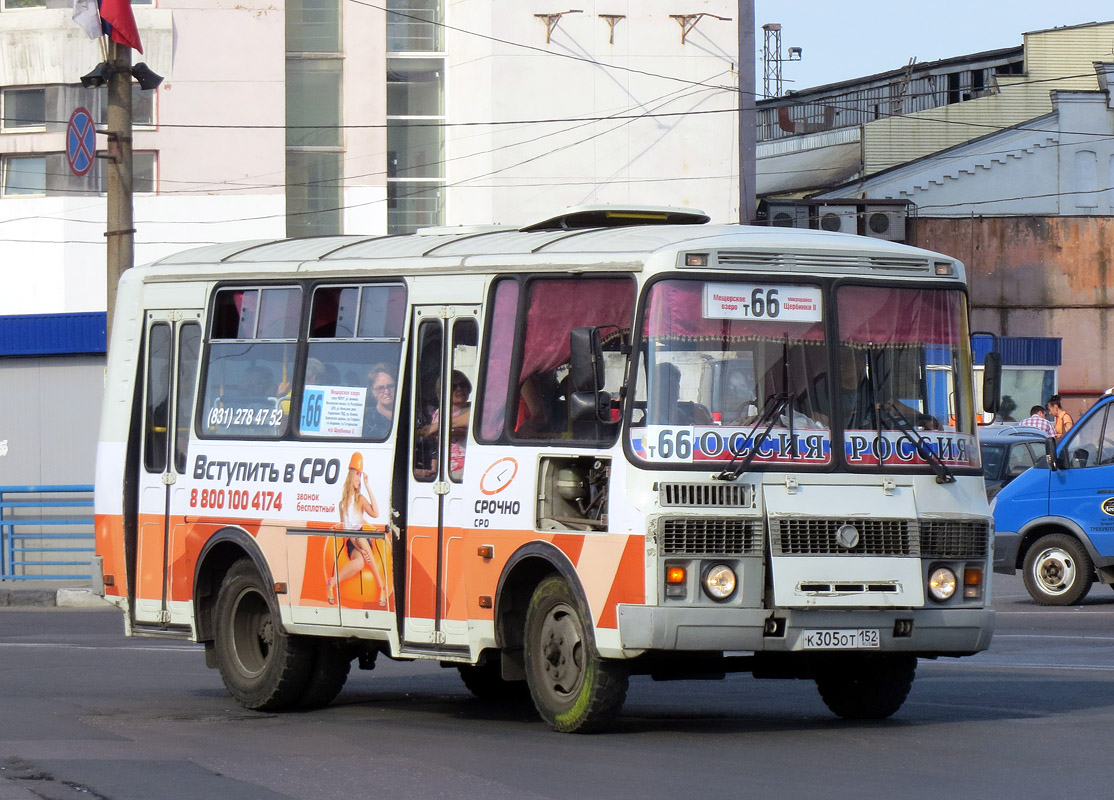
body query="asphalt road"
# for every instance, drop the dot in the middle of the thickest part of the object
(87, 713)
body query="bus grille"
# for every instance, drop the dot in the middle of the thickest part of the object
(954, 538)
(817, 537)
(823, 261)
(711, 536)
(722, 495)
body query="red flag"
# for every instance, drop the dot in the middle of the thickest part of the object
(119, 23)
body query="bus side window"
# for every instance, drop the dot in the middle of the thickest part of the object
(427, 401)
(189, 349)
(463, 371)
(350, 381)
(157, 425)
(545, 310)
(249, 361)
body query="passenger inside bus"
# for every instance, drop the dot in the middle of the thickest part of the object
(666, 405)
(542, 405)
(384, 390)
(460, 414)
(259, 384)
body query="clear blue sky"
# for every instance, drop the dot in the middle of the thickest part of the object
(854, 38)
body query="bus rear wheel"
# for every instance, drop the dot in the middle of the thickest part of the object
(866, 687)
(331, 664)
(263, 668)
(574, 690)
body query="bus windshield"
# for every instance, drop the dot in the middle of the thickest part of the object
(722, 362)
(740, 370)
(905, 373)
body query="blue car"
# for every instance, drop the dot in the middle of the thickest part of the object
(1055, 522)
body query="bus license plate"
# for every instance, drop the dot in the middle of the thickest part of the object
(841, 639)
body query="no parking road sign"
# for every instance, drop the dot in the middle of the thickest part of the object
(81, 142)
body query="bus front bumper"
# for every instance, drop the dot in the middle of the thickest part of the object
(925, 631)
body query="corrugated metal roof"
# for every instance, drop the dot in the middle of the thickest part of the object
(1022, 351)
(52, 334)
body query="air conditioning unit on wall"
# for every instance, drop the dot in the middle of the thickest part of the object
(885, 222)
(787, 215)
(838, 219)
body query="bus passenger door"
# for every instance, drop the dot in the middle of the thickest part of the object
(442, 376)
(172, 346)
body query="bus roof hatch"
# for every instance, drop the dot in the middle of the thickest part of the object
(618, 217)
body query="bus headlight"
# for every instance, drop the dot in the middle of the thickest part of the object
(719, 581)
(941, 584)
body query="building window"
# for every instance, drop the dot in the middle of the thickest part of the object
(954, 84)
(415, 149)
(415, 87)
(978, 81)
(312, 26)
(415, 143)
(13, 5)
(313, 193)
(22, 176)
(414, 204)
(23, 110)
(143, 107)
(414, 26)
(144, 173)
(315, 148)
(313, 102)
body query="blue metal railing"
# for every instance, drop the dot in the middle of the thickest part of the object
(31, 547)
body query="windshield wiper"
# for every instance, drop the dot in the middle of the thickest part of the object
(943, 474)
(769, 417)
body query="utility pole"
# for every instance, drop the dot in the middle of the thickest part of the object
(748, 119)
(121, 226)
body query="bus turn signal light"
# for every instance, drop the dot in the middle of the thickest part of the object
(972, 583)
(675, 575)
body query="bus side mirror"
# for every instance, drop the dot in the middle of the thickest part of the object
(1050, 452)
(586, 360)
(590, 407)
(586, 400)
(992, 382)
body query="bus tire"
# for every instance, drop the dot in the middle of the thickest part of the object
(1058, 571)
(485, 681)
(331, 663)
(263, 668)
(573, 689)
(866, 687)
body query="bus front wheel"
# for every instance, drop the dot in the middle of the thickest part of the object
(574, 690)
(866, 687)
(263, 668)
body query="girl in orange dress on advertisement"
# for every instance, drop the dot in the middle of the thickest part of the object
(353, 507)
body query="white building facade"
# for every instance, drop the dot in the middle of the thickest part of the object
(329, 116)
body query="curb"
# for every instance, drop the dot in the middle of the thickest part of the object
(51, 598)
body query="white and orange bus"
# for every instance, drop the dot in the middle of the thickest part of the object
(611, 443)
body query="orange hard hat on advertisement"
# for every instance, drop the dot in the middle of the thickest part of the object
(357, 462)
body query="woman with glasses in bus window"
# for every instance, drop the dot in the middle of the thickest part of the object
(384, 388)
